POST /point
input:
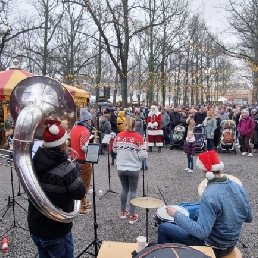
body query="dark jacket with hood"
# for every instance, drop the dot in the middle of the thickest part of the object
(62, 184)
(174, 119)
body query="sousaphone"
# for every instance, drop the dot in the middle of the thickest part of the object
(32, 101)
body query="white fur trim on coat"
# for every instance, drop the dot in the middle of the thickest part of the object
(155, 132)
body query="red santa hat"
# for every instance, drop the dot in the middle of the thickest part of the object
(54, 134)
(209, 162)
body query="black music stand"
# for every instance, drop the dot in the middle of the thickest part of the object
(109, 179)
(92, 157)
(147, 210)
(11, 201)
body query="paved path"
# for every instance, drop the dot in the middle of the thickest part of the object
(166, 171)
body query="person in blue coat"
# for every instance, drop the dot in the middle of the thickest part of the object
(224, 207)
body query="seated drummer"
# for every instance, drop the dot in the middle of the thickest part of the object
(224, 206)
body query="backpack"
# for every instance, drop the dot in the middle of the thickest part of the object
(170, 251)
(228, 137)
(102, 127)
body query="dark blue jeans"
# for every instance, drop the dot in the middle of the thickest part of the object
(170, 137)
(61, 247)
(144, 163)
(190, 161)
(172, 233)
(209, 144)
(113, 157)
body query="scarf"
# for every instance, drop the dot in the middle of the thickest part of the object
(218, 179)
(191, 139)
(83, 123)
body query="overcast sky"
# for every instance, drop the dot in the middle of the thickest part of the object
(214, 13)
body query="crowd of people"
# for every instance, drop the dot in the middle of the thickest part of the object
(160, 134)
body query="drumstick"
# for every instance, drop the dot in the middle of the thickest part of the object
(162, 196)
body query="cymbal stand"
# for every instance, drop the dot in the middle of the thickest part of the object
(109, 179)
(146, 210)
(96, 242)
(11, 203)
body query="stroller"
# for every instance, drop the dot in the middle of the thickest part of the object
(199, 138)
(227, 136)
(178, 137)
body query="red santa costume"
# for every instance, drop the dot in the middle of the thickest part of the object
(155, 132)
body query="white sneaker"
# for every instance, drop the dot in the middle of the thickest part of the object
(249, 155)
(186, 169)
(244, 153)
(190, 171)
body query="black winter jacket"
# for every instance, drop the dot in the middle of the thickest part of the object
(62, 184)
(199, 118)
(174, 119)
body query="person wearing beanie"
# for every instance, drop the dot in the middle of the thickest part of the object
(60, 180)
(224, 207)
(80, 136)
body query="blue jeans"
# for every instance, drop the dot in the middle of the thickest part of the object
(209, 144)
(61, 247)
(129, 181)
(144, 163)
(113, 157)
(190, 161)
(170, 137)
(172, 233)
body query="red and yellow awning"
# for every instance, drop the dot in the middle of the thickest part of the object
(10, 78)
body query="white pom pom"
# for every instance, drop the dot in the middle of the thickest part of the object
(210, 175)
(53, 129)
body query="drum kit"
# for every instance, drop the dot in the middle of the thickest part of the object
(161, 213)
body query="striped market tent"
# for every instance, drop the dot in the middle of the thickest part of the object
(10, 78)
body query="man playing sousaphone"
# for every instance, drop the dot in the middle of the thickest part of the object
(224, 207)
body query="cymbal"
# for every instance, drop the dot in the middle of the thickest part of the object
(203, 184)
(147, 202)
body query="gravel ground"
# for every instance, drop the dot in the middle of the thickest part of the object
(166, 171)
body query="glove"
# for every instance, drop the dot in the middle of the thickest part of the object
(155, 124)
(149, 124)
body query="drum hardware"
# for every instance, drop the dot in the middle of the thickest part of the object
(147, 203)
(203, 184)
(162, 195)
(11, 199)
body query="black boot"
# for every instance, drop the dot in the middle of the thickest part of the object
(171, 147)
(159, 149)
(150, 149)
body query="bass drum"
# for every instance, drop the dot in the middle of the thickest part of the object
(162, 215)
(170, 251)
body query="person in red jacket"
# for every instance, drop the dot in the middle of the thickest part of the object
(155, 132)
(245, 128)
(111, 145)
(189, 150)
(80, 136)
